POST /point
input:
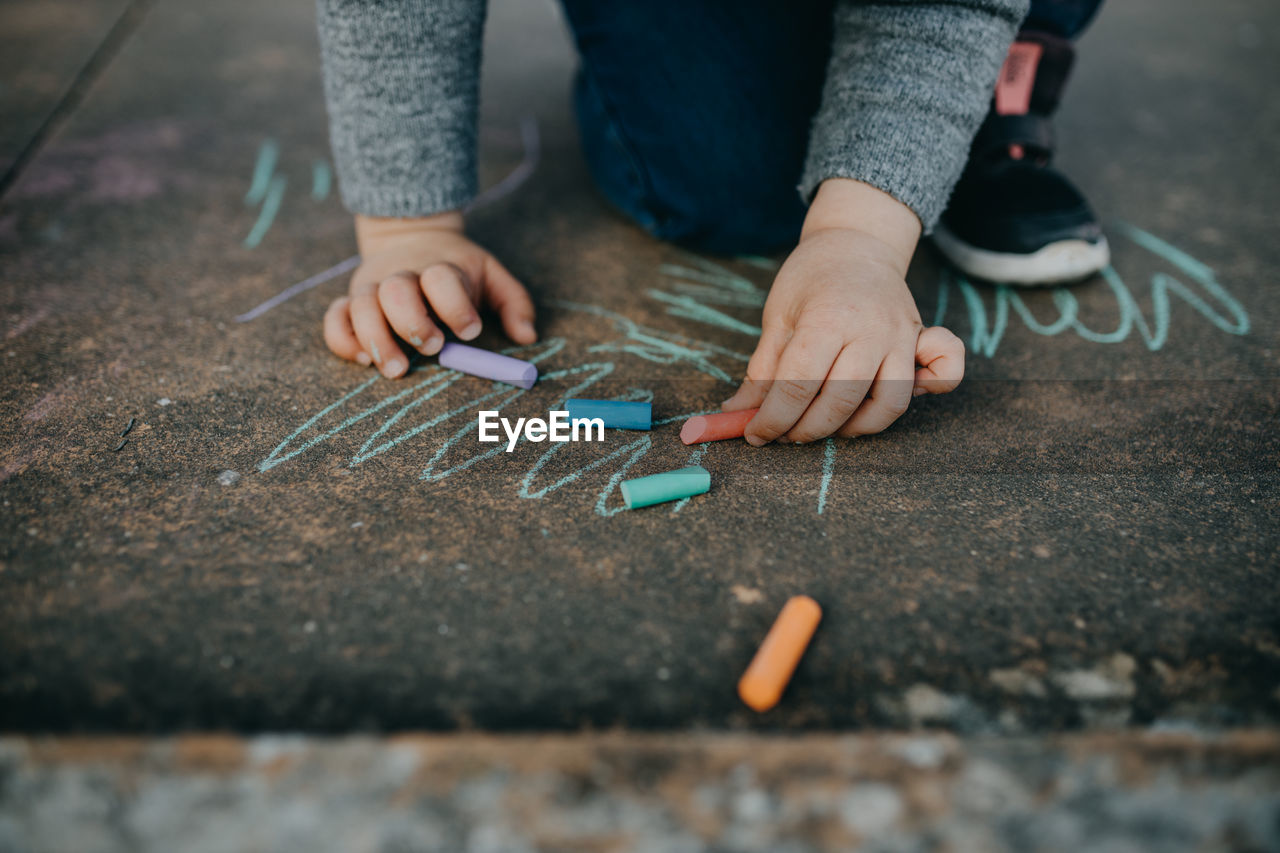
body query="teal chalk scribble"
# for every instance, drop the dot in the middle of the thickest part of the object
(986, 331)
(263, 168)
(698, 285)
(267, 215)
(695, 458)
(321, 180)
(828, 469)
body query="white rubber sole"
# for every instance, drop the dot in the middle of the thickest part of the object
(1057, 263)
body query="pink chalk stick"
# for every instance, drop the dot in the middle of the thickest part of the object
(488, 365)
(716, 427)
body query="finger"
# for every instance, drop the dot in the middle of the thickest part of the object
(803, 366)
(338, 333)
(506, 295)
(888, 399)
(760, 370)
(940, 355)
(448, 291)
(400, 298)
(375, 335)
(845, 389)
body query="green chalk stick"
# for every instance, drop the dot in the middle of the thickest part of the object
(668, 486)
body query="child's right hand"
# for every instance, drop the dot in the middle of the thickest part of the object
(414, 275)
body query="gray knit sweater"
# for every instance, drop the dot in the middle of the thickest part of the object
(906, 88)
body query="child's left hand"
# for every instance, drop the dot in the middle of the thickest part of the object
(841, 333)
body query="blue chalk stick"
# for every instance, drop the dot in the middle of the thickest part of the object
(616, 414)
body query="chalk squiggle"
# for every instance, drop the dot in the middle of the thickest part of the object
(987, 333)
(705, 282)
(436, 381)
(828, 469)
(267, 215)
(496, 397)
(656, 345)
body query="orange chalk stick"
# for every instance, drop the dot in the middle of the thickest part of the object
(716, 427)
(762, 684)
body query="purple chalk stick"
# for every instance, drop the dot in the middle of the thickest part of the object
(489, 365)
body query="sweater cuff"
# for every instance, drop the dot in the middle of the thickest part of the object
(912, 158)
(402, 89)
(907, 87)
(429, 190)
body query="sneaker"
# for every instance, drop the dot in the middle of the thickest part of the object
(1013, 218)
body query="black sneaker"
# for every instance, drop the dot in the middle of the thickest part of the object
(1013, 218)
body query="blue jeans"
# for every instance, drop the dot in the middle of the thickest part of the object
(694, 115)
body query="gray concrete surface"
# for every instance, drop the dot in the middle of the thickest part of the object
(1083, 536)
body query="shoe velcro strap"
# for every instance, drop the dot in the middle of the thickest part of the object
(1032, 132)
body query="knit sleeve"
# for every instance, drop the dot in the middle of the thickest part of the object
(907, 86)
(401, 81)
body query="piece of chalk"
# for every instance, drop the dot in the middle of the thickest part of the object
(716, 427)
(616, 414)
(488, 365)
(669, 486)
(762, 684)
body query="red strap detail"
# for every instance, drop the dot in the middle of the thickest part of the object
(1018, 78)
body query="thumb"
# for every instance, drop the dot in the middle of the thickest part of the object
(940, 356)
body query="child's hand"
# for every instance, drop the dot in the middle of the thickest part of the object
(841, 334)
(414, 275)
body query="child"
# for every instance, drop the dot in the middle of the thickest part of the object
(699, 120)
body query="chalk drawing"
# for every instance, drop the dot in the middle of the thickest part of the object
(695, 458)
(302, 286)
(761, 263)
(658, 346)
(692, 289)
(321, 180)
(263, 168)
(828, 468)
(650, 343)
(531, 140)
(701, 282)
(690, 309)
(267, 189)
(1221, 309)
(26, 321)
(267, 215)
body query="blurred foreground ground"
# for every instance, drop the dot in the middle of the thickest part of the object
(613, 792)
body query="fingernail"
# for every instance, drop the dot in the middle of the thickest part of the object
(433, 345)
(526, 328)
(916, 392)
(363, 358)
(470, 331)
(395, 367)
(724, 403)
(755, 441)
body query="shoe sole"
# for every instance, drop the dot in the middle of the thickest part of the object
(1062, 262)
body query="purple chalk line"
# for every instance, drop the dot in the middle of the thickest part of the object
(302, 286)
(532, 142)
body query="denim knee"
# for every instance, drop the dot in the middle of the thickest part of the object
(712, 188)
